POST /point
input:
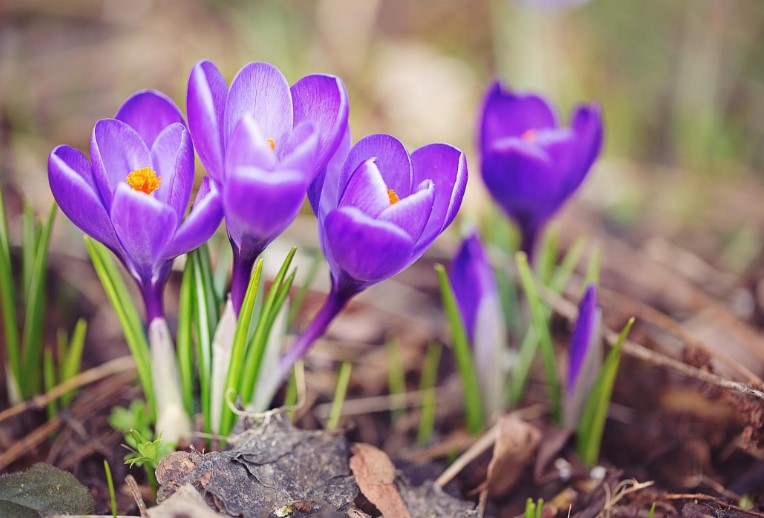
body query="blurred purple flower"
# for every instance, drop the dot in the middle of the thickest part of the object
(134, 195)
(585, 357)
(530, 164)
(377, 214)
(477, 294)
(263, 143)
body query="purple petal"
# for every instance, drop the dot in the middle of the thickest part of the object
(259, 205)
(472, 280)
(144, 225)
(247, 146)
(392, 159)
(324, 191)
(446, 166)
(507, 114)
(299, 151)
(207, 91)
(149, 112)
(366, 190)
(200, 224)
(587, 124)
(116, 150)
(412, 212)
(71, 181)
(323, 101)
(585, 356)
(261, 89)
(173, 158)
(366, 249)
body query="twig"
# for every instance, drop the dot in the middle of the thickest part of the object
(116, 366)
(703, 496)
(135, 492)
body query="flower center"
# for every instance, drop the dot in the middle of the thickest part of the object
(271, 143)
(393, 197)
(144, 180)
(529, 135)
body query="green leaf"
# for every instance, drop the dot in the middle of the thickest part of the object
(540, 324)
(72, 357)
(299, 298)
(340, 393)
(593, 268)
(110, 485)
(8, 302)
(43, 490)
(35, 308)
(427, 385)
(473, 401)
(594, 415)
(238, 349)
(652, 511)
(184, 343)
(127, 314)
(49, 379)
(30, 237)
(205, 316)
(548, 256)
(567, 266)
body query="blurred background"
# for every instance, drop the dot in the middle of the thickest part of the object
(681, 85)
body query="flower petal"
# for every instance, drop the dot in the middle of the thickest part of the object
(173, 158)
(207, 91)
(247, 146)
(587, 124)
(71, 181)
(144, 225)
(323, 193)
(412, 212)
(300, 150)
(508, 114)
(116, 150)
(366, 190)
(148, 112)
(392, 159)
(261, 89)
(201, 223)
(259, 205)
(446, 166)
(366, 249)
(323, 101)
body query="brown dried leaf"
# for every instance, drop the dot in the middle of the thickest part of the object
(516, 442)
(186, 501)
(375, 475)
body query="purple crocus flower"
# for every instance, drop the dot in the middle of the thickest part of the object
(133, 192)
(477, 294)
(377, 214)
(585, 357)
(530, 164)
(263, 143)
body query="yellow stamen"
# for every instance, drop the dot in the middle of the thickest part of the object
(144, 180)
(393, 197)
(271, 143)
(529, 135)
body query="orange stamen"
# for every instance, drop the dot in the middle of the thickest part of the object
(529, 135)
(144, 180)
(271, 143)
(393, 197)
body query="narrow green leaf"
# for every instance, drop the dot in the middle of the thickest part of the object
(127, 314)
(473, 401)
(548, 256)
(271, 307)
(220, 274)
(539, 507)
(238, 350)
(110, 485)
(340, 393)
(594, 415)
(8, 301)
(567, 266)
(35, 308)
(291, 395)
(530, 509)
(204, 333)
(396, 378)
(206, 276)
(299, 298)
(427, 385)
(593, 268)
(71, 360)
(29, 237)
(540, 324)
(652, 511)
(49, 379)
(185, 346)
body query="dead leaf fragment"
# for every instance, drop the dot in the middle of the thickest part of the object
(375, 475)
(186, 501)
(516, 442)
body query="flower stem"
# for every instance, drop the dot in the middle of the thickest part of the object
(242, 271)
(335, 301)
(529, 243)
(152, 299)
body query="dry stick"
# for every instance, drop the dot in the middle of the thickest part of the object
(135, 492)
(570, 311)
(373, 404)
(703, 496)
(115, 366)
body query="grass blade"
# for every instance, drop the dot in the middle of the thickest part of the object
(299, 297)
(71, 360)
(49, 380)
(427, 385)
(30, 235)
(540, 324)
(340, 393)
(592, 423)
(8, 303)
(184, 343)
(206, 322)
(593, 268)
(548, 257)
(110, 484)
(473, 400)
